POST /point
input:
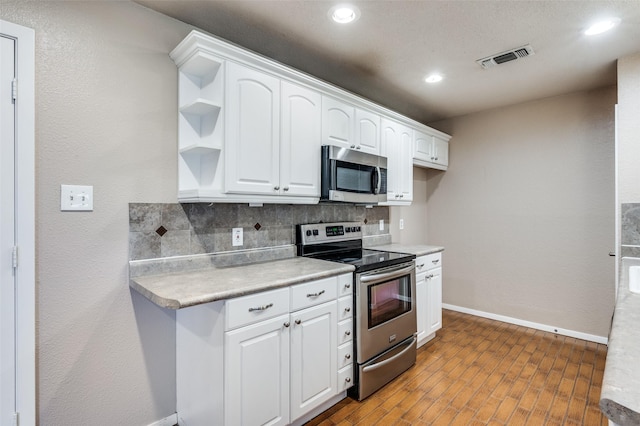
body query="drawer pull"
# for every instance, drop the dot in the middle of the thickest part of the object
(261, 308)
(421, 265)
(435, 262)
(429, 276)
(321, 292)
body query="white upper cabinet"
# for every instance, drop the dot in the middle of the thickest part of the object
(346, 126)
(250, 129)
(338, 123)
(431, 150)
(367, 131)
(397, 147)
(252, 151)
(300, 141)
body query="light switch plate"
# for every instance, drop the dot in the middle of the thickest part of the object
(75, 198)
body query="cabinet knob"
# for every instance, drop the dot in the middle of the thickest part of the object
(401, 195)
(348, 380)
(347, 333)
(353, 146)
(286, 188)
(358, 147)
(275, 188)
(348, 356)
(436, 158)
(298, 321)
(435, 262)
(347, 309)
(420, 266)
(287, 324)
(347, 286)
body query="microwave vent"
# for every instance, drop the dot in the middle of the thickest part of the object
(507, 56)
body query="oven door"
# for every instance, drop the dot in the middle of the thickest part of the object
(386, 309)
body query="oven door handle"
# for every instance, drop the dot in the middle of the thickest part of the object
(393, 358)
(387, 275)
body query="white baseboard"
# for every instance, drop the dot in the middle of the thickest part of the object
(167, 421)
(537, 326)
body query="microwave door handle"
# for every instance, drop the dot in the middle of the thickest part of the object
(377, 181)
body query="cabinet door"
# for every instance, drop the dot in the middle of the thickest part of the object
(256, 382)
(434, 297)
(396, 145)
(252, 141)
(367, 132)
(440, 151)
(313, 357)
(423, 146)
(337, 123)
(300, 144)
(421, 307)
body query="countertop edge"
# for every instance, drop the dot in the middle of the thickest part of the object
(416, 249)
(620, 396)
(144, 284)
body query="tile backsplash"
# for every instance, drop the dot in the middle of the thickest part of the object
(163, 230)
(630, 235)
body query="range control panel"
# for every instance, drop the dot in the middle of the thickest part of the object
(316, 233)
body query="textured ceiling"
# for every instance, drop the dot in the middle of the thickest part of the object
(385, 55)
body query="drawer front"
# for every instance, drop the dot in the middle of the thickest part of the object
(345, 308)
(430, 261)
(345, 331)
(345, 285)
(313, 293)
(345, 378)
(246, 310)
(345, 355)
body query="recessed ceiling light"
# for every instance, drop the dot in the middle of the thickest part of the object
(602, 26)
(344, 13)
(433, 78)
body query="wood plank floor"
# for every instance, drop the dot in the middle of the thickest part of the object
(483, 372)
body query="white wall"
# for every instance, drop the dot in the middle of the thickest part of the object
(526, 211)
(106, 96)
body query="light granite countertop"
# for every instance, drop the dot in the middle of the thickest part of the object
(177, 290)
(417, 249)
(620, 396)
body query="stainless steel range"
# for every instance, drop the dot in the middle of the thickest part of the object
(384, 301)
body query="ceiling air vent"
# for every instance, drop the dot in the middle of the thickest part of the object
(508, 56)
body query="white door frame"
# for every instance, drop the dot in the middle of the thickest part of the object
(25, 220)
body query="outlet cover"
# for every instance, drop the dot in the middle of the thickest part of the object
(236, 236)
(382, 224)
(75, 198)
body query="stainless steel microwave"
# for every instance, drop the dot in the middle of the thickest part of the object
(352, 176)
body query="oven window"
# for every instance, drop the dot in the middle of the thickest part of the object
(389, 300)
(354, 177)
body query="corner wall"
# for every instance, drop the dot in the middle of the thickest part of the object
(106, 96)
(526, 211)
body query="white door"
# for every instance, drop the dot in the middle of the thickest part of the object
(313, 357)
(367, 132)
(252, 143)
(434, 295)
(7, 232)
(300, 144)
(338, 122)
(256, 382)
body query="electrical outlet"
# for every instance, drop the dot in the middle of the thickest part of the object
(401, 223)
(75, 198)
(236, 237)
(382, 224)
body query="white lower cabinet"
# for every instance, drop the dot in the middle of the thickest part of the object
(257, 374)
(313, 359)
(428, 296)
(269, 358)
